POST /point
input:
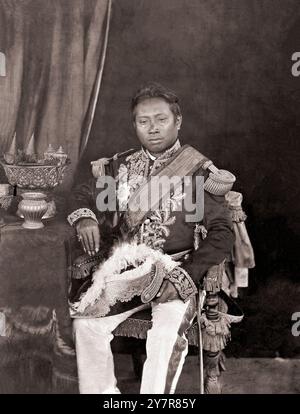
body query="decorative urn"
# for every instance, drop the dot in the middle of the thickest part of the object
(33, 207)
(35, 179)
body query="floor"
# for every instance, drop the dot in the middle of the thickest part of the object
(242, 376)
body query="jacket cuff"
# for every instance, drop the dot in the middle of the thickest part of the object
(81, 213)
(183, 283)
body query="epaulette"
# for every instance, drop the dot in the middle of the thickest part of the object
(98, 166)
(219, 182)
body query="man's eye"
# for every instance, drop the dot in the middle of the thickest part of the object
(162, 119)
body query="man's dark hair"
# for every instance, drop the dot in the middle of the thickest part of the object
(155, 90)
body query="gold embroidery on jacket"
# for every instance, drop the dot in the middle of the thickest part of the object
(155, 229)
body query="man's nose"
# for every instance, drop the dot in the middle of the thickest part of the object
(153, 127)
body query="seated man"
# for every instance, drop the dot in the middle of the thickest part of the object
(197, 243)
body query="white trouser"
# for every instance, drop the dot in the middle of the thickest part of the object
(166, 349)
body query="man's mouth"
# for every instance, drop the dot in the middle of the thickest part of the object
(154, 140)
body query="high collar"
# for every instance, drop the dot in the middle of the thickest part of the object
(165, 155)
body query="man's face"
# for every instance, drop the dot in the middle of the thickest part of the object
(155, 125)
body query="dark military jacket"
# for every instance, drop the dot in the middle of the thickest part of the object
(208, 242)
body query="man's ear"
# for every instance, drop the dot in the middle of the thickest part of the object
(178, 121)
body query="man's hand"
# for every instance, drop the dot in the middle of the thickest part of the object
(167, 292)
(89, 235)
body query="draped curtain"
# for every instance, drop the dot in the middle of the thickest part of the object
(55, 52)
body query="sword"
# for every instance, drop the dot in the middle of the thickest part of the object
(201, 300)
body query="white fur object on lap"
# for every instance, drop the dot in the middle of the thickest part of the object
(113, 273)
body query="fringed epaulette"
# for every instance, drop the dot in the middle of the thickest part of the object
(219, 182)
(98, 166)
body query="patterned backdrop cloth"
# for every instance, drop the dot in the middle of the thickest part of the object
(34, 297)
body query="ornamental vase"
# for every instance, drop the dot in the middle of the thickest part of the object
(33, 207)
